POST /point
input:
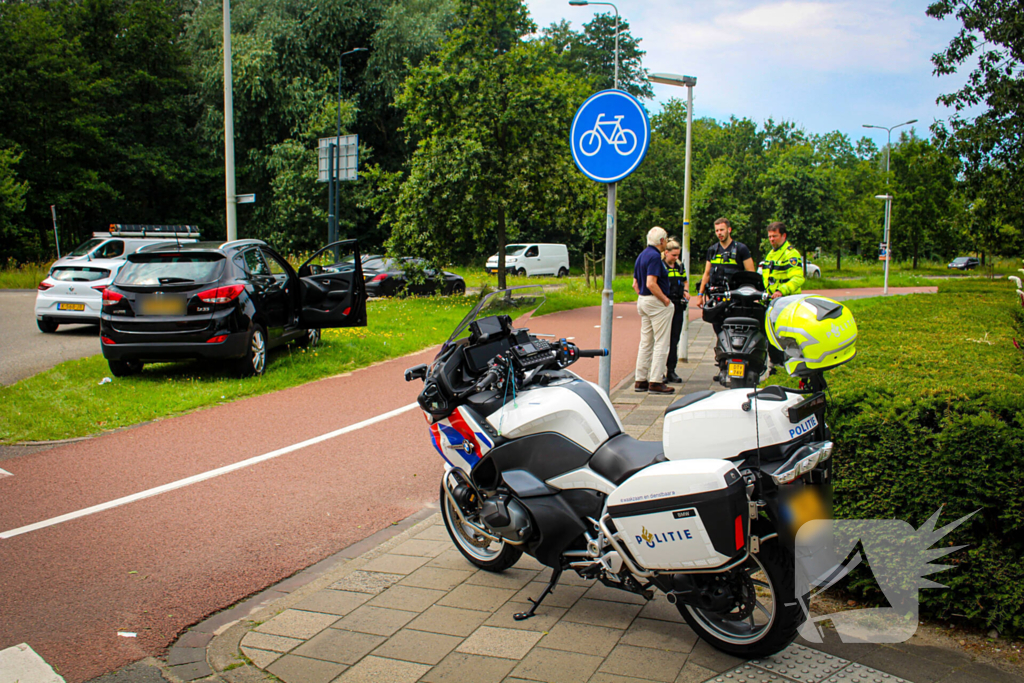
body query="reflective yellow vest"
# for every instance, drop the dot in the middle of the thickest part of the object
(783, 270)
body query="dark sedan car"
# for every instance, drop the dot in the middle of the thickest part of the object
(387, 277)
(964, 263)
(232, 301)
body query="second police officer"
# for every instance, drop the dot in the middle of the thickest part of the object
(783, 273)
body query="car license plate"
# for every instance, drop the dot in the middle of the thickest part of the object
(737, 369)
(162, 305)
(70, 307)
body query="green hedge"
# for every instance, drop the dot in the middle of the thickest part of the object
(930, 414)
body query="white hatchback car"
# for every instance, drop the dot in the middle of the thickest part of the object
(73, 293)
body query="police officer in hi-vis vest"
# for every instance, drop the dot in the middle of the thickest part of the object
(783, 273)
(679, 294)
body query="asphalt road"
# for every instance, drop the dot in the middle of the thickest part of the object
(25, 351)
(157, 565)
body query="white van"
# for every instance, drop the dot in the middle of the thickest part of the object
(533, 259)
(122, 240)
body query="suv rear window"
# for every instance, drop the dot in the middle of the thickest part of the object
(71, 274)
(167, 269)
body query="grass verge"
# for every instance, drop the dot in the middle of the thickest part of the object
(68, 400)
(24, 276)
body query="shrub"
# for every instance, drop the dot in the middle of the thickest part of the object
(931, 414)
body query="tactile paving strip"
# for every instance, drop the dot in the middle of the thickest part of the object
(748, 674)
(802, 664)
(858, 673)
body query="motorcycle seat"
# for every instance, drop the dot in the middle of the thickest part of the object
(623, 456)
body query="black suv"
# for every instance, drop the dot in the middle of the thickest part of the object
(231, 300)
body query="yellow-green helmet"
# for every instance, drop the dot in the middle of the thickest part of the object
(814, 332)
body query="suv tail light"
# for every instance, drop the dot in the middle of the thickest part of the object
(111, 298)
(100, 288)
(43, 286)
(380, 277)
(221, 295)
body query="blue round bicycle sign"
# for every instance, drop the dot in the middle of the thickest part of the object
(610, 135)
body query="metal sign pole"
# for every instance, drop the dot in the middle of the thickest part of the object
(331, 155)
(56, 237)
(684, 340)
(229, 130)
(604, 368)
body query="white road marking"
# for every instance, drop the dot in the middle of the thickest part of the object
(181, 483)
(5, 473)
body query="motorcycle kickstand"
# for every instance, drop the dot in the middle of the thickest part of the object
(556, 574)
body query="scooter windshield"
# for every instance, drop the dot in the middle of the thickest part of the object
(516, 302)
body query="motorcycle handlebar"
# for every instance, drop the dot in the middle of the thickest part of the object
(593, 353)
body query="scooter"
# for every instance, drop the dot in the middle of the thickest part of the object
(538, 462)
(737, 308)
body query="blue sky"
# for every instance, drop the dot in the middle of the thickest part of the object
(823, 64)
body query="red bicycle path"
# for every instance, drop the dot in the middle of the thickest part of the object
(155, 566)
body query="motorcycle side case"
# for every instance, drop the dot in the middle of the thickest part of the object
(718, 427)
(687, 514)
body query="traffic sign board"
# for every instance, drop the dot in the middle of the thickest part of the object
(609, 136)
(346, 161)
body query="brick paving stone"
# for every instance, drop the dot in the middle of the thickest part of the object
(191, 672)
(563, 596)
(185, 655)
(417, 646)
(459, 668)
(602, 677)
(395, 564)
(422, 547)
(642, 416)
(599, 591)
(265, 641)
(635, 431)
(435, 577)
(375, 620)
(510, 578)
(407, 598)
(602, 613)
(297, 624)
(529, 562)
(330, 601)
(451, 559)
(660, 635)
(500, 642)
(260, 658)
(557, 665)
(449, 620)
(660, 608)
(483, 598)
(584, 638)
(437, 532)
(194, 639)
(340, 647)
(366, 582)
(627, 395)
(381, 670)
(694, 673)
(292, 669)
(710, 658)
(916, 669)
(990, 673)
(644, 662)
(568, 579)
(543, 619)
(951, 658)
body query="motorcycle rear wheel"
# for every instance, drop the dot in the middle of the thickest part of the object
(775, 619)
(482, 552)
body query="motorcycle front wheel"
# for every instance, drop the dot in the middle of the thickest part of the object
(771, 624)
(494, 556)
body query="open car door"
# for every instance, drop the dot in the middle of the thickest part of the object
(333, 291)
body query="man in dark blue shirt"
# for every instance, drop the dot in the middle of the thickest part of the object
(650, 282)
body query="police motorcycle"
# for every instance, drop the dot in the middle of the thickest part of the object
(737, 307)
(537, 462)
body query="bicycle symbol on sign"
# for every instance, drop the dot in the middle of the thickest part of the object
(590, 142)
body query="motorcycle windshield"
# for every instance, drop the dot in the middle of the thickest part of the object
(515, 302)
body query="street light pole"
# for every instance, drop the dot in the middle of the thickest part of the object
(683, 352)
(231, 200)
(334, 186)
(604, 369)
(887, 196)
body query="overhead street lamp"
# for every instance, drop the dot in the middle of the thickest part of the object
(604, 371)
(334, 185)
(887, 197)
(688, 82)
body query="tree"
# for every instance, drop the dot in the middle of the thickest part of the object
(490, 112)
(924, 182)
(14, 236)
(991, 144)
(591, 54)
